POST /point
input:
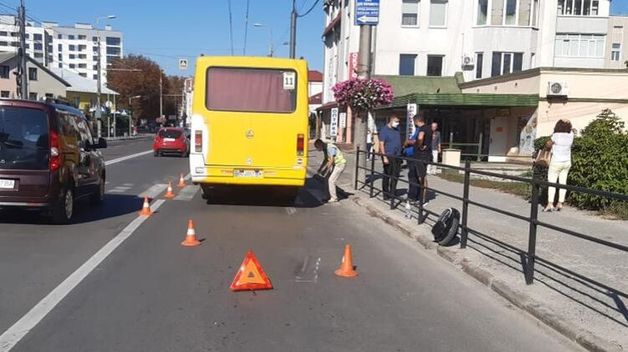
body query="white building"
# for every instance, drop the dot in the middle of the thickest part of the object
(74, 48)
(481, 38)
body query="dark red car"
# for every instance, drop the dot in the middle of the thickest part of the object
(171, 140)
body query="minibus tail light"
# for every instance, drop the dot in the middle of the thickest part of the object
(198, 141)
(55, 157)
(300, 144)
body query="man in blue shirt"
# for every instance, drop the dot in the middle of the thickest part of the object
(390, 147)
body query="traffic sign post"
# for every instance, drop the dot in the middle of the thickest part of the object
(366, 12)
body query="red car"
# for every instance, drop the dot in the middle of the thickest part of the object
(171, 140)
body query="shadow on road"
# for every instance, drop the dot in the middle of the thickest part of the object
(312, 195)
(113, 206)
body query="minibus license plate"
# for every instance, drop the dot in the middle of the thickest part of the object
(249, 173)
(7, 184)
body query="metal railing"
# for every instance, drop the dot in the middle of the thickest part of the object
(532, 220)
(464, 147)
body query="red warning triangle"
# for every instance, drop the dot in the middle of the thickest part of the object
(251, 276)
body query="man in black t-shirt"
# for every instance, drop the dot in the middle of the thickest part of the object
(422, 152)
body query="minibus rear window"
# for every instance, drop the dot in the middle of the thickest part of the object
(251, 90)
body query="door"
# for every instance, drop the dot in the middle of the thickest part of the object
(498, 146)
(88, 177)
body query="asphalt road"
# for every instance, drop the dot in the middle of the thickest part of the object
(152, 294)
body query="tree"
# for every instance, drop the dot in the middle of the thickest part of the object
(173, 89)
(137, 75)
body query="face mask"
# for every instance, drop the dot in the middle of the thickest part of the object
(395, 124)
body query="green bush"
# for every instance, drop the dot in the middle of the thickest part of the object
(600, 161)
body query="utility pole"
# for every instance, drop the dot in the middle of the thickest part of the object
(364, 72)
(23, 56)
(293, 30)
(98, 112)
(161, 95)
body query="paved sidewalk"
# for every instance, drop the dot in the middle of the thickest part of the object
(580, 289)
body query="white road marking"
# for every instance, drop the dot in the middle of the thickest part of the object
(121, 159)
(291, 210)
(17, 331)
(304, 276)
(188, 193)
(154, 191)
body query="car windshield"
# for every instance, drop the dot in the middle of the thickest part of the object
(24, 139)
(169, 133)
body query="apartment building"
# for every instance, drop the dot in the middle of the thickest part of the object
(617, 43)
(68, 47)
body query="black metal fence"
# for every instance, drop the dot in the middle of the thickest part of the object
(532, 219)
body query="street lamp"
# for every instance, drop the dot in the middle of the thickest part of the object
(98, 112)
(129, 113)
(270, 31)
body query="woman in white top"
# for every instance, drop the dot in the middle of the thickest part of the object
(560, 143)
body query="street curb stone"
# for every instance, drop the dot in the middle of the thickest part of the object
(545, 314)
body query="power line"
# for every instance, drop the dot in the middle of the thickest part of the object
(246, 25)
(230, 26)
(310, 10)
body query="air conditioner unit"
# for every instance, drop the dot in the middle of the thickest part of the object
(467, 60)
(557, 89)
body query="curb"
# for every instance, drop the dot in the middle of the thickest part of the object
(584, 338)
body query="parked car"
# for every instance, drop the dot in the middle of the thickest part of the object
(48, 158)
(171, 140)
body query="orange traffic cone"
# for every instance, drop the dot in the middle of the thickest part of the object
(169, 193)
(146, 208)
(190, 238)
(181, 182)
(346, 267)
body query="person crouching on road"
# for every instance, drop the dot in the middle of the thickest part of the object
(334, 161)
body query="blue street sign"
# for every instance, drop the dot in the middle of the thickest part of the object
(366, 12)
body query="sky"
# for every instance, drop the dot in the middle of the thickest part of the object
(168, 30)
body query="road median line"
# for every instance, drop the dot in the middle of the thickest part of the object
(24, 325)
(124, 158)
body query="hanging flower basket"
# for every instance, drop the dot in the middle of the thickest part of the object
(363, 95)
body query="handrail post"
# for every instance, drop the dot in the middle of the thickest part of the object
(534, 212)
(480, 147)
(372, 177)
(421, 219)
(357, 166)
(465, 204)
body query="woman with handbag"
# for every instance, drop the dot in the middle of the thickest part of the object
(560, 145)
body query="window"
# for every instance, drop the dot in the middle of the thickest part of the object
(267, 90)
(410, 13)
(525, 12)
(406, 64)
(60, 57)
(616, 52)
(95, 76)
(579, 45)
(39, 55)
(479, 58)
(95, 49)
(4, 34)
(578, 7)
(72, 65)
(38, 46)
(60, 36)
(82, 65)
(505, 63)
(482, 12)
(32, 73)
(94, 39)
(72, 56)
(5, 94)
(497, 12)
(438, 13)
(82, 47)
(434, 65)
(82, 37)
(60, 47)
(72, 47)
(71, 37)
(95, 67)
(113, 41)
(95, 58)
(4, 44)
(113, 51)
(4, 71)
(37, 37)
(60, 64)
(32, 96)
(82, 56)
(83, 74)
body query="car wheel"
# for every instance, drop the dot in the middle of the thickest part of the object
(155, 153)
(63, 211)
(205, 192)
(99, 196)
